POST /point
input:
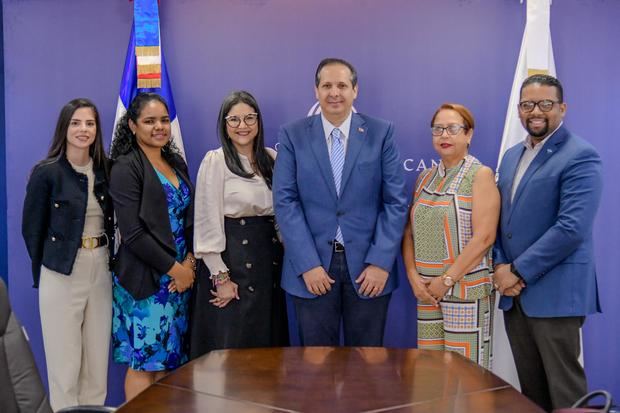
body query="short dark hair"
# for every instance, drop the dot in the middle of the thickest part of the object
(545, 80)
(468, 117)
(334, 61)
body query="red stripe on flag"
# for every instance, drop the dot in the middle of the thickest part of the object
(150, 76)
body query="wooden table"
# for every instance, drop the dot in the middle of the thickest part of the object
(329, 379)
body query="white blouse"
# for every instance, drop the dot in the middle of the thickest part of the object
(220, 193)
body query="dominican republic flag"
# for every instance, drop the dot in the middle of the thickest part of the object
(145, 67)
(536, 57)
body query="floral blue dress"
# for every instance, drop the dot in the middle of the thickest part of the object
(149, 334)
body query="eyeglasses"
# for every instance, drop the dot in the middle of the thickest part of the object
(544, 105)
(452, 130)
(235, 121)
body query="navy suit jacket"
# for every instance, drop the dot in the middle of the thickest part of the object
(546, 232)
(371, 209)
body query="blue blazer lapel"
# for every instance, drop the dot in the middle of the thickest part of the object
(354, 145)
(319, 148)
(547, 151)
(510, 162)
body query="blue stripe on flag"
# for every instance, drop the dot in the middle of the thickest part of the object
(130, 78)
(129, 81)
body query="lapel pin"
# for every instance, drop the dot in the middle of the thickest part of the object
(549, 150)
(361, 130)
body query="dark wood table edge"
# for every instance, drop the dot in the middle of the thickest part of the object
(282, 409)
(219, 396)
(399, 407)
(421, 403)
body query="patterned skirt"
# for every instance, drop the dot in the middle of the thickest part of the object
(149, 334)
(462, 326)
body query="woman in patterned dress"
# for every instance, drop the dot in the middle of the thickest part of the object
(447, 242)
(155, 267)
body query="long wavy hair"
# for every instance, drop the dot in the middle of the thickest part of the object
(264, 162)
(58, 147)
(124, 139)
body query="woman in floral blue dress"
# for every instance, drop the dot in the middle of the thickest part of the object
(154, 266)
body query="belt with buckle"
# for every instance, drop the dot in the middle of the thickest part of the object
(338, 247)
(95, 242)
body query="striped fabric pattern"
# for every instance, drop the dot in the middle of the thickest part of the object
(148, 51)
(337, 161)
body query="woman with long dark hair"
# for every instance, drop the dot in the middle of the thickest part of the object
(238, 300)
(155, 267)
(68, 228)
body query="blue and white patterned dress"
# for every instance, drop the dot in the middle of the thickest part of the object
(149, 334)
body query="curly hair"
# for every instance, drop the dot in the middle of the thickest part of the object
(125, 140)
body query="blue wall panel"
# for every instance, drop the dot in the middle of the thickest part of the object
(3, 235)
(411, 56)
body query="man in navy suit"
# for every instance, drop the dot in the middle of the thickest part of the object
(341, 206)
(550, 187)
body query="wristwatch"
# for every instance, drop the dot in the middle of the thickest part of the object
(447, 280)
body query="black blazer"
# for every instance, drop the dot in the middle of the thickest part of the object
(55, 211)
(147, 249)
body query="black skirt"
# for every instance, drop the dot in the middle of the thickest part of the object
(258, 319)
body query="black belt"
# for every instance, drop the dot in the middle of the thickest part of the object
(338, 247)
(94, 242)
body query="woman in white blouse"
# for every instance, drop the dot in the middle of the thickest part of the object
(238, 302)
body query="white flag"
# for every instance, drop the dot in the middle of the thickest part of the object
(535, 57)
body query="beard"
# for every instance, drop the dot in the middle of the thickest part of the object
(540, 133)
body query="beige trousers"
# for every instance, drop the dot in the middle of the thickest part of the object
(76, 319)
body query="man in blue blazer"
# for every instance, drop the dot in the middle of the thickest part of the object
(341, 206)
(550, 187)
